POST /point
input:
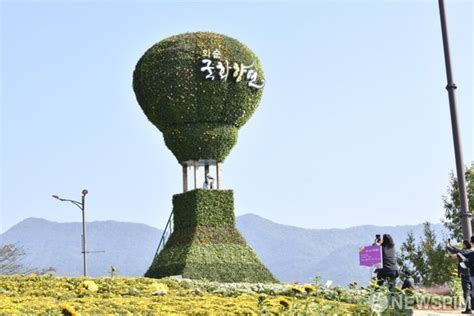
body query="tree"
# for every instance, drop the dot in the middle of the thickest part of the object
(452, 220)
(427, 262)
(11, 258)
(408, 260)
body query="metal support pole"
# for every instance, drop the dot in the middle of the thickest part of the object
(84, 247)
(451, 87)
(185, 178)
(218, 175)
(195, 174)
(206, 170)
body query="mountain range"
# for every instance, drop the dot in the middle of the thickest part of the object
(293, 254)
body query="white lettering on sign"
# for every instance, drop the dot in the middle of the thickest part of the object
(208, 68)
(239, 70)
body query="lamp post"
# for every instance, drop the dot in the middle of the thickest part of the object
(451, 87)
(82, 206)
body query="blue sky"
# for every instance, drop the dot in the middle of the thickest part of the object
(353, 127)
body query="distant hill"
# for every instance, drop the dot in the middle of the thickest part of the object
(291, 253)
(128, 246)
(298, 254)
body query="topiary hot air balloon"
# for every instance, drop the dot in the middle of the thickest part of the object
(199, 89)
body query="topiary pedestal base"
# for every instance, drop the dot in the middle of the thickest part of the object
(205, 243)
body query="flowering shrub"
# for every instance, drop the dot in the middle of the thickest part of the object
(52, 295)
(455, 287)
(309, 288)
(89, 286)
(34, 294)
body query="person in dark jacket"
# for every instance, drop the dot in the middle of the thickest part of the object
(471, 269)
(409, 282)
(464, 272)
(389, 271)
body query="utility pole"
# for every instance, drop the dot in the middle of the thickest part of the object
(451, 87)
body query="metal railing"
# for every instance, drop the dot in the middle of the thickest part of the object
(166, 235)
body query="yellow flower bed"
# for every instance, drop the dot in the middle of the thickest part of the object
(51, 295)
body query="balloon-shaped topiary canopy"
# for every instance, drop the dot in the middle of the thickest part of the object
(199, 89)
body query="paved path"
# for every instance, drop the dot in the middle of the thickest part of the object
(435, 313)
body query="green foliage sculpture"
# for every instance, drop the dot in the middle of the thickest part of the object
(205, 243)
(199, 89)
(198, 116)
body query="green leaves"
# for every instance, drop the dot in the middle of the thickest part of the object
(200, 141)
(205, 243)
(427, 261)
(204, 208)
(177, 98)
(452, 220)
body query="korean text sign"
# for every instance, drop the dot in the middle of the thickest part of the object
(370, 256)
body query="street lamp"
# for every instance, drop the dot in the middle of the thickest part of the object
(82, 206)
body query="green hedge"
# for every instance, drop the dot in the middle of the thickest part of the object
(205, 243)
(204, 208)
(201, 141)
(189, 109)
(205, 235)
(214, 262)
